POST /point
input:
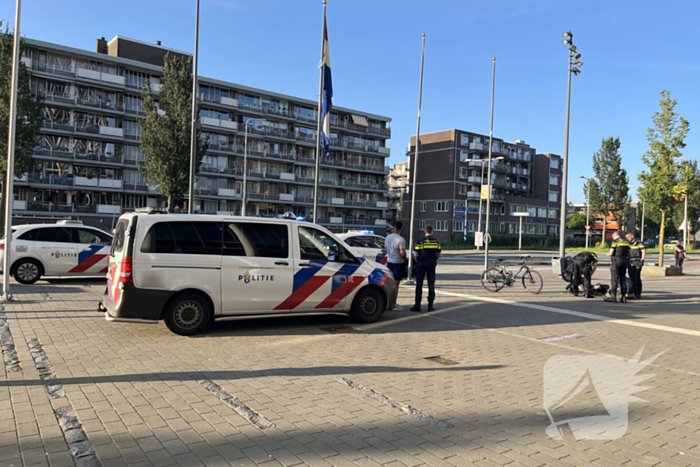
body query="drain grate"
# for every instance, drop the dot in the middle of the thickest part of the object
(442, 360)
(340, 329)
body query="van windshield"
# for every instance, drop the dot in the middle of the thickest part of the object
(119, 237)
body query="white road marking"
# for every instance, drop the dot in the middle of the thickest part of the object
(658, 327)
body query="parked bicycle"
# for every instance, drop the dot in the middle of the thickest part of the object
(497, 276)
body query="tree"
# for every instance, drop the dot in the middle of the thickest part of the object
(29, 114)
(612, 181)
(666, 140)
(596, 204)
(576, 222)
(399, 209)
(165, 139)
(689, 176)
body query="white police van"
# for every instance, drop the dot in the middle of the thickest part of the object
(367, 243)
(67, 248)
(190, 270)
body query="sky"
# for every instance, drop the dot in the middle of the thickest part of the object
(632, 50)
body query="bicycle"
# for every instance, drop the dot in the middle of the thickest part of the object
(496, 277)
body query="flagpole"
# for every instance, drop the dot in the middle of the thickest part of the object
(193, 130)
(319, 118)
(9, 181)
(415, 166)
(490, 187)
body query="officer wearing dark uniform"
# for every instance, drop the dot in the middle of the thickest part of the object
(619, 256)
(637, 256)
(585, 264)
(426, 253)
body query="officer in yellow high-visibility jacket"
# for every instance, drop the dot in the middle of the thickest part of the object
(426, 253)
(620, 259)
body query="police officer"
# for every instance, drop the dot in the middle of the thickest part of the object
(585, 264)
(637, 256)
(426, 253)
(619, 256)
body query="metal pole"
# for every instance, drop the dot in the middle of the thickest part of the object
(520, 235)
(245, 168)
(9, 181)
(478, 229)
(415, 164)
(317, 174)
(642, 235)
(588, 213)
(685, 214)
(488, 198)
(193, 139)
(565, 173)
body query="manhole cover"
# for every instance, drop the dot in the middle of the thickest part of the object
(340, 329)
(442, 360)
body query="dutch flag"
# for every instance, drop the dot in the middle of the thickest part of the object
(327, 91)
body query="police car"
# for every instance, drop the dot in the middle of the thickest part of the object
(366, 243)
(192, 270)
(67, 248)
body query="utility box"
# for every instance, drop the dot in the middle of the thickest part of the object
(557, 267)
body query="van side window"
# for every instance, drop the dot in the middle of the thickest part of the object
(193, 238)
(257, 239)
(316, 245)
(119, 236)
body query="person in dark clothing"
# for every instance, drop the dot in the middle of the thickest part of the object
(679, 254)
(637, 256)
(585, 264)
(426, 253)
(619, 262)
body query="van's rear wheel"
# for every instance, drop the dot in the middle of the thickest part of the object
(187, 314)
(27, 271)
(368, 306)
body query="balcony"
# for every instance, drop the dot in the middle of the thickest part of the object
(217, 123)
(99, 76)
(18, 205)
(287, 197)
(228, 193)
(51, 179)
(59, 98)
(473, 179)
(66, 70)
(63, 126)
(474, 146)
(473, 195)
(54, 153)
(386, 151)
(105, 105)
(108, 209)
(111, 131)
(287, 176)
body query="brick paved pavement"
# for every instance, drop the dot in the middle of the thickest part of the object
(134, 387)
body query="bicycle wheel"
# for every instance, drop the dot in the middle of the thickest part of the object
(493, 279)
(532, 281)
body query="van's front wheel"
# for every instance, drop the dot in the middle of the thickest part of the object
(187, 314)
(368, 306)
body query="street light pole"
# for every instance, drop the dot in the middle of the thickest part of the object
(568, 40)
(642, 234)
(193, 130)
(480, 199)
(245, 166)
(415, 166)
(10, 178)
(490, 188)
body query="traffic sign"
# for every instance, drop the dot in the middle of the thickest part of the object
(520, 214)
(478, 239)
(588, 227)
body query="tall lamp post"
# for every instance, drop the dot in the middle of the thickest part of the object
(193, 129)
(245, 166)
(574, 63)
(490, 187)
(588, 209)
(482, 182)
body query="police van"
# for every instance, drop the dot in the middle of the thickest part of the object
(367, 243)
(67, 248)
(191, 270)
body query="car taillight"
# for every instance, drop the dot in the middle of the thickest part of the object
(126, 270)
(2, 246)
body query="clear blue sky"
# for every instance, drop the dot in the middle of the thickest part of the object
(631, 50)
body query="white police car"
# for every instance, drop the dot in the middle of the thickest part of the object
(67, 248)
(367, 243)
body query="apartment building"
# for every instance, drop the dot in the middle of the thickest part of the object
(452, 169)
(398, 177)
(85, 161)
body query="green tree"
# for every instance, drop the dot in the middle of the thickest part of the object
(29, 110)
(597, 205)
(576, 222)
(666, 140)
(689, 176)
(166, 135)
(612, 180)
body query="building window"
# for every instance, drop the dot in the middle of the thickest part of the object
(463, 189)
(442, 206)
(503, 209)
(421, 225)
(501, 227)
(459, 204)
(554, 164)
(553, 196)
(554, 180)
(463, 156)
(422, 206)
(532, 212)
(457, 226)
(440, 226)
(552, 213)
(463, 172)
(464, 140)
(542, 212)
